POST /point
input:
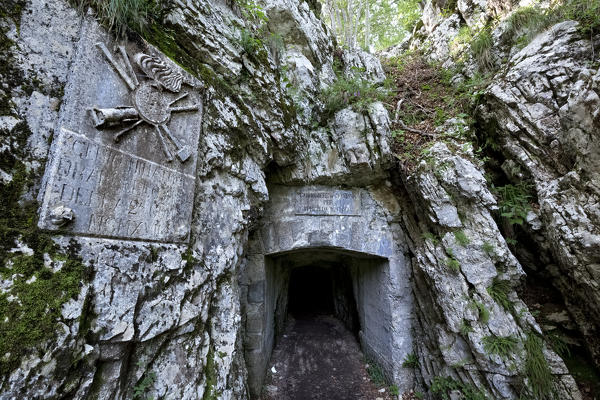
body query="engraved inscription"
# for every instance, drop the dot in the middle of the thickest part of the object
(320, 202)
(147, 201)
(125, 167)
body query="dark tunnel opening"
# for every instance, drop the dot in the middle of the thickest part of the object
(323, 290)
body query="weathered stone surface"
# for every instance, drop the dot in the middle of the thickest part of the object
(545, 111)
(118, 176)
(450, 327)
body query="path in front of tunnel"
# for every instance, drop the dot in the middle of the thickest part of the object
(318, 358)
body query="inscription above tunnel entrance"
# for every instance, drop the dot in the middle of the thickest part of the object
(322, 202)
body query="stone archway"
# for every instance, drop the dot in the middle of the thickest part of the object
(337, 228)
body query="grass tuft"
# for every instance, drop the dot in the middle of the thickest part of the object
(499, 291)
(537, 368)
(502, 346)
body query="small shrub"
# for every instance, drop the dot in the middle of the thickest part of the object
(394, 390)
(499, 291)
(502, 346)
(537, 369)
(252, 11)
(442, 386)
(410, 361)
(251, 44)
(355, 91)
(430, 236)
(461, 238)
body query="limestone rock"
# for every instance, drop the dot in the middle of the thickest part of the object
(545, 110)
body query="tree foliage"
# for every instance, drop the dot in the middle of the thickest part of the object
(371, 24)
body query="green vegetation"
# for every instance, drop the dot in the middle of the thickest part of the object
(488, 248)
(461, 238)
(375, 373)
(499, 291)
(394, 390)
(537, 368)
(558, 344)
(451, 262)
(410, 361)
(351, 91)
(484, 313)
(481, 48)
(211, 377)
(502, 346)
(120, 15)
(442, 386)
(31, 306)
(372, 24)
(430, 236)
(465, 327)
(145, 384)
(526, 22)
(514, 201)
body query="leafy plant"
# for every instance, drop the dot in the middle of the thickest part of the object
(453, 264)
(394, 390)
(251, 44)
(430, 236)
(514, 201)
(375, 373)
(461, 238)
(252, 11)
(443, 386)
(537, 369)
(502, 346)
(410, 361)
(139, 391)
(499, 290)
(351, 91)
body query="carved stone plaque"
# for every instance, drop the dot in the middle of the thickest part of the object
(326, 202)
(124, 157)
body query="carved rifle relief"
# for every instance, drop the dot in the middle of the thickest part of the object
(150, 103)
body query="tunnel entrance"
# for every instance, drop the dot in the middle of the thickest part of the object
(337, 253)
(317, 352)
(310, 292)
(323, 290)
(319, 295)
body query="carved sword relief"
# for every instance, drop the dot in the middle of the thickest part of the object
(150, 104)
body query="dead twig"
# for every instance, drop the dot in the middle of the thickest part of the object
(418, 131)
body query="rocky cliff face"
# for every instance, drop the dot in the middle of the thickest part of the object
(163, 256)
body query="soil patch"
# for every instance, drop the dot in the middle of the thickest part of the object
(318, 358)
